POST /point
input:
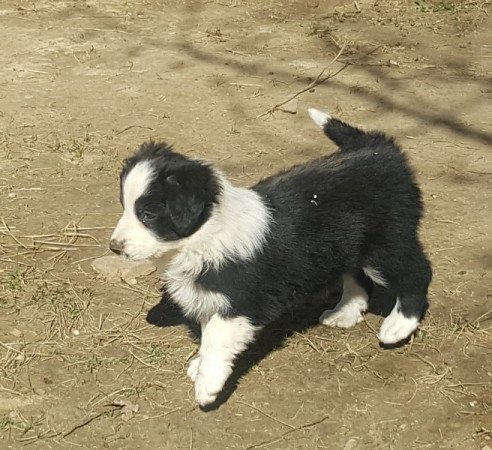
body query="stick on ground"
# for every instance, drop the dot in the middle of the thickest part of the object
(317, 81)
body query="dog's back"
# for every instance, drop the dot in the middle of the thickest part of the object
(367, 185)
(357, 212)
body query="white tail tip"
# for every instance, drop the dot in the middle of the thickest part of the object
(319, 117)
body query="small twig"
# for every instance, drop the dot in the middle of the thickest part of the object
(424, 361)
(106, 396)
(302, 427)
(414, 393)
(133, 126)
(441, 391)
(310, 343)
(89, 258)
(320, 79)
(10, 391)
(128, 286)
(8, 347)
(368, 325)
(477, 320)
(15, 262)
(466, 384)
(94, 228)
(54, 249)
(147, 364)
(7, 229)
(234, 52)
(115, 407)
(35, 236)
(61, 244)
(447, 248)
(29, 189)
(268, 415)
(297, 412)
(160, 415)
(245, 84)
(447, 221)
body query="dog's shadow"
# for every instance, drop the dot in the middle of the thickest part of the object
(272, 337)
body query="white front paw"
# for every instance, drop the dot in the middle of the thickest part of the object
(203, 396)
(396, 327)
(193, 367)
(209, 381)
(341, 318)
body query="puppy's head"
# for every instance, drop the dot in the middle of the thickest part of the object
(166, 197)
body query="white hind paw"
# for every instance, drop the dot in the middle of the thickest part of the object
(341, 318)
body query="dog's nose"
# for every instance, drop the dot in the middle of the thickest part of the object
(116, 246)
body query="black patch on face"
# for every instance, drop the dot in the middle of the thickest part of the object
(181, 196)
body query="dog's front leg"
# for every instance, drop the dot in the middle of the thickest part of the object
(194, 364)
(223, 338)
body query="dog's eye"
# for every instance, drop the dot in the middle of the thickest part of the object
(146, 217)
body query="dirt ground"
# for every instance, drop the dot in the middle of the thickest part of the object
(86, 363)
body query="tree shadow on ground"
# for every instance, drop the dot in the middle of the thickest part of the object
(385, 97)
(450, 71)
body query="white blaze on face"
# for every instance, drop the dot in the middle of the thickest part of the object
(136, 183)
(138, 241)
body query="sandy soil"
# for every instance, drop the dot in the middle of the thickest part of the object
(90, 364)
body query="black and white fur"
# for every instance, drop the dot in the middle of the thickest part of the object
(246, 255)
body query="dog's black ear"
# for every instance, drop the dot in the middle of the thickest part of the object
(184, 206)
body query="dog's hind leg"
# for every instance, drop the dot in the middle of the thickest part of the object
(354, 302)
(411, 304)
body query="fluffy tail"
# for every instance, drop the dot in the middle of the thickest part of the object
(347, 137)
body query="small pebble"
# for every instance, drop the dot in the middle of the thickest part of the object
(350, 444)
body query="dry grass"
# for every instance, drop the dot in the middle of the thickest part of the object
(61, 323)
(71, 238)
(57, 326)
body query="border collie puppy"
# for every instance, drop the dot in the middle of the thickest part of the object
(245, 255)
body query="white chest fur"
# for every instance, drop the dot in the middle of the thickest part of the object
(196, 302)
(235, 231)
